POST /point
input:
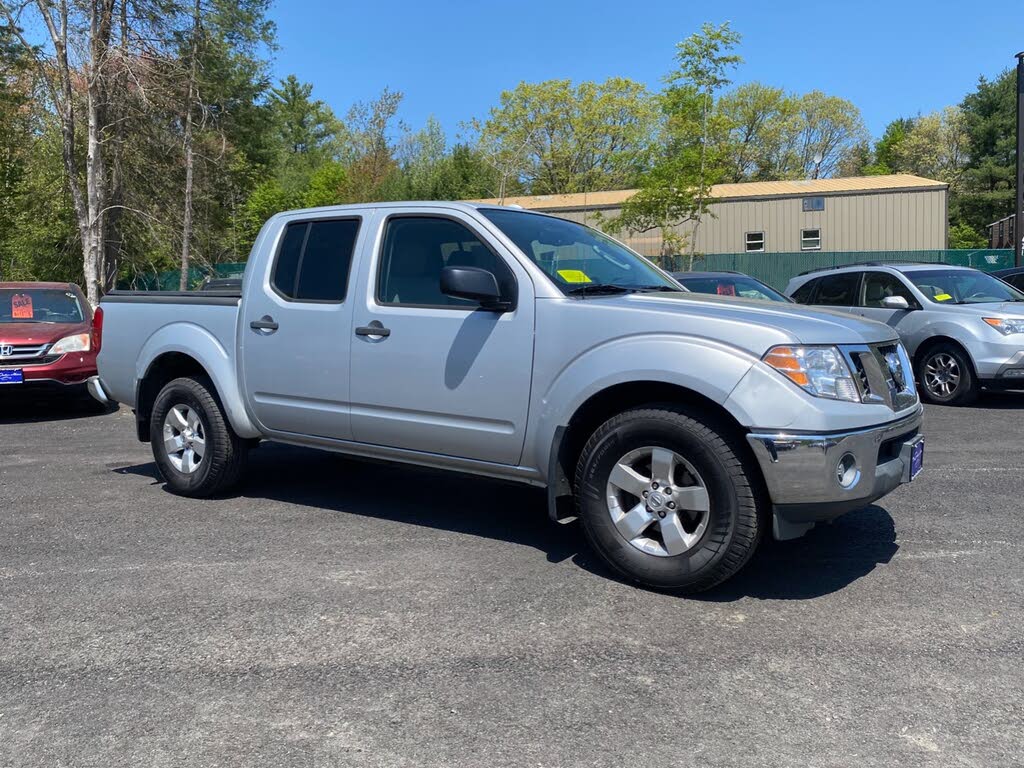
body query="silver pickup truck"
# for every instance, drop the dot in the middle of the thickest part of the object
(678, 427)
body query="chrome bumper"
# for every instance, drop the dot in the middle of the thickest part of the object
(96, 390)
(802, 471)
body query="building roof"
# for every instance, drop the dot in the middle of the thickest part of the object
(747, 190)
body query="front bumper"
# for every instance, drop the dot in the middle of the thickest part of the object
(801, 470)
(72, 368)
(993, 360)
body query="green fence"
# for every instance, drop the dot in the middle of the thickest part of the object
(170, 280)
(777, 269)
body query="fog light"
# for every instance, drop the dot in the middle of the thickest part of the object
(847, 472)
(1014, 373)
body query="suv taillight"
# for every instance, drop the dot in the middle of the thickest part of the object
(97, 329)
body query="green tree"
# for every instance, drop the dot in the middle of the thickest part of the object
(935, 147)
(965, 236)
(373, 169)
(987, 186)
(306, 132)
(558, 137)
(753, 121)
(675, 191)
(887, 147)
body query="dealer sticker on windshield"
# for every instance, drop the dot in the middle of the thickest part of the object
(12, 376)
(574, 276)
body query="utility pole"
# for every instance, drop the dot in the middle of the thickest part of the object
(1018, 218)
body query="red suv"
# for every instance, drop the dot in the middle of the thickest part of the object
(47, 336)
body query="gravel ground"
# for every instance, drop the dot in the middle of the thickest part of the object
(341, 613)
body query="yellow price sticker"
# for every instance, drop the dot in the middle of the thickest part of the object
(574, 276)
(942, 297)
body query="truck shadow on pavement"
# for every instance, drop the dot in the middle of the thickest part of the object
(20, 408)
(827, 559)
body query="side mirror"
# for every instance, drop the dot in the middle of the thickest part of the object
(475, 284)
(895, 302)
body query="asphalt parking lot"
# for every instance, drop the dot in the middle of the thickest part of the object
(340, 613)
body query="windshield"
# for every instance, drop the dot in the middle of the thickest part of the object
(575, 256)
(731, 285)
(962, 286)
(39, 305)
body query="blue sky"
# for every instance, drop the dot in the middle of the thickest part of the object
(452, 59)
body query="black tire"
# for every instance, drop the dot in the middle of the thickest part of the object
(734, 525)
(224, 457)
(967, 387)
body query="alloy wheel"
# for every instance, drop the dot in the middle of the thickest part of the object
(658, 502)
(184, 438)
(942, 375)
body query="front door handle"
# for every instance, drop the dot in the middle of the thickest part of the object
(265, 323)
(375, 328)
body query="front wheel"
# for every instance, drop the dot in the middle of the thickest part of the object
(946, 376)
(666, 499)
(195, 448)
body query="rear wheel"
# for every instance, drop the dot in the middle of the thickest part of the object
(665, 498)
(946, 376)
(195, 448)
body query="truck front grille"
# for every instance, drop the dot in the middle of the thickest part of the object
(881, 375)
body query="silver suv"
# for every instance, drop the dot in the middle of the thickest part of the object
(963, 328)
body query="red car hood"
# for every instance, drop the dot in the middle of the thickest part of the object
(39, 333)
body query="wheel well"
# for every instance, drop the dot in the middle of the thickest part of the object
(609, 402)
(927, 345)
(165, 368)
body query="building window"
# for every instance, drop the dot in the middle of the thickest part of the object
(755, 242)
(810, 239)
(814, 203)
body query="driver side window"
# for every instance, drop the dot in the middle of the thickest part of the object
(417, 248)
(880, 285)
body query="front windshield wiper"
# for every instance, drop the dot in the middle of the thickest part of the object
(597, 289)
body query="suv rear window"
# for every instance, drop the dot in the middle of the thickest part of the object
(314, 258)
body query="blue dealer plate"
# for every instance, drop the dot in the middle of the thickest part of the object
(11, 376)
(917, 458)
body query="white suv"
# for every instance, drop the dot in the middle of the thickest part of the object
(963, 328)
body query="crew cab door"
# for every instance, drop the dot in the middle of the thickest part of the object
(432, 373)
(295, 333)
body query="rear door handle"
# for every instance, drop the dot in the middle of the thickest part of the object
(265, 323)
(375, 328)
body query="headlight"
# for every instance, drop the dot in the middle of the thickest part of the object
(822, 371)
(77, 343)
(1006, 325)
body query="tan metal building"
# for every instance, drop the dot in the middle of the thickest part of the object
(867, 213)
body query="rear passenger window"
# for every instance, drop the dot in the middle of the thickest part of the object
(802, 295)
(838, 290)
(314, 259)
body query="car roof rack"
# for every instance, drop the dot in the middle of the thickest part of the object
(872, 264)
(709, 272)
